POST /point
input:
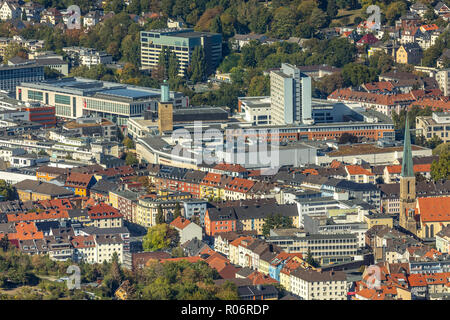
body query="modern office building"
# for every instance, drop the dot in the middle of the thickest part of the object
(290, 93)
(78, 97)
(182, 42)
(12, 76)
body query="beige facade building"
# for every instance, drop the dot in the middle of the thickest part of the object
(442, 78)
(314, 285)
(436, 125)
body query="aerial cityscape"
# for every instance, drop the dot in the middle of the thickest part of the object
(241, 150)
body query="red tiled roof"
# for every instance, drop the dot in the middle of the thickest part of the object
(44, 215)
(104, 211)
(180, 223)
(230, 167)
(358, 170)
(433, 209)
(26, 231)
(240, 185)
(76, 179)
(80, 242)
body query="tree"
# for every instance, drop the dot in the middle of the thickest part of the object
(160, 216)
(332, 9)
(355, 74)
(198, 69)
(14, 49)
(131, 159)
(274, 222)
(440, 170)
(160, 236)
(283, 23)
(259, 86)
(216, 25)
(310, 260)
(177, 211)
(129, 143)
(4, 243)
(347, 138)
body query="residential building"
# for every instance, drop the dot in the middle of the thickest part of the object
(436, 125)
(442, 77)
(315, 285)
(187, 229)
(10, 10)
(409, 53)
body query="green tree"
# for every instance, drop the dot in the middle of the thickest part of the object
(440, 170)
(131, 159)
(355, 74)
(332, 9)
(216, 25)
(198, 69)
(129, 143)
(177, 211)
(310, 259)
(4, 243)
(160, 236)
(274, 222)
(160, 216)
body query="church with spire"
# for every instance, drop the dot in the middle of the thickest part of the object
(422, 216)
(407, 218)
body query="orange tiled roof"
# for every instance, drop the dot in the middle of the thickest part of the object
(180, 223)
(433, 209)
(44, 215)
(240, 185)
(211, 179)
(433, 103)
(83, 242)
(313, 172)
(238, 241)
(230, 167)
(26, 231)
(397, 169)
(358, 170)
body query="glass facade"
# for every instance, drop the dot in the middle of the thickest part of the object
(35, 95)
(60, 99)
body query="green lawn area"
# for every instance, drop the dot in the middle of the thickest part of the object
(351, 14)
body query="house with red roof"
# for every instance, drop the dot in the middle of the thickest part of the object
(80, 183)
(359, 174)
(103, 215)
(367, 39)
(187, 229)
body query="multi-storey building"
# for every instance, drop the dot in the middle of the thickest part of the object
(315, 285)
(77, 97)
(442, 78)
(290, 94)
(182, 42)
(12, 76)
(436, 125)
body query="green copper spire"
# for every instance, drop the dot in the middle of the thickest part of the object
(407, 162)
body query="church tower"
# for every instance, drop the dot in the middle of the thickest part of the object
(407, 186)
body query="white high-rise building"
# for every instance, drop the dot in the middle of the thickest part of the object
(290, 93)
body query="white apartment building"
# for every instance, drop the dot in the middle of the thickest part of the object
(442, 78)
(314, 285)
